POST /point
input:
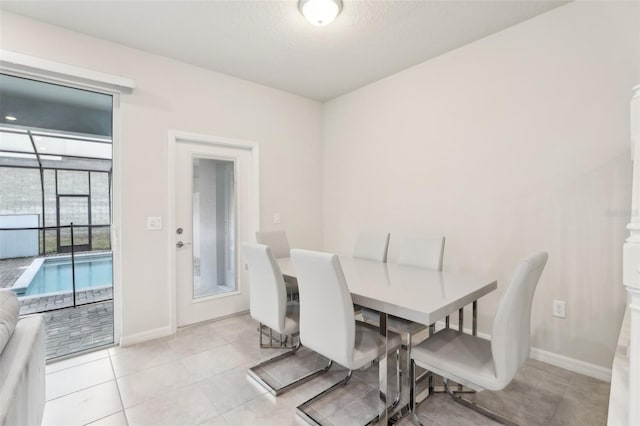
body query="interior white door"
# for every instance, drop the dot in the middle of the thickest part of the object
(213, 203)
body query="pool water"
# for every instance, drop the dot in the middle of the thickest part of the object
(55, 275)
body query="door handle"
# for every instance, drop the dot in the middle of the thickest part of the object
(180, 244)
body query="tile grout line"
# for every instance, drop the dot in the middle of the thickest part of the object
(223, 415)
(226, 417)
(75, 365)
(555, 411)
(102, 418)
(115, 379)
(81, 389)
(140, 370)
(78, 390)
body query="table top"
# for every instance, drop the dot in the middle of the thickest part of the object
(416, 294)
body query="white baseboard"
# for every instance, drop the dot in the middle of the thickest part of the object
(557, 360)
(146, 335)
(572, 364)
(156, 333)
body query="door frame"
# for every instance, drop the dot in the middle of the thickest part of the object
(48, 71)
(176, 137)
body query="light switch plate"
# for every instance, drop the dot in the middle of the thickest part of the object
(559, 309)
(276, 218)
(154, 223)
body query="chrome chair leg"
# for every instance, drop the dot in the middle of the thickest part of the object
(300, 408)
(478, 408)
(412, 387)
(432, 328)
(408, 364)
(281, 343)
(415, 399)
(398, 381)
(253, 373)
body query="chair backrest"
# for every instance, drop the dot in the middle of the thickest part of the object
(327, 320)
(423, 252)
(268, 295)
(510, 340)
(372, 246)
(276, 240)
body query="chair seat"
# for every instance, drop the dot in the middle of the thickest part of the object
(368, 346)
(292, 319)
(396, 324)
(463, 358)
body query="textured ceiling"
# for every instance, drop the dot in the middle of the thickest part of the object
(270, 43)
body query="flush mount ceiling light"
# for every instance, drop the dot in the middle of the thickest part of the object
(320, 12)
(10, 117)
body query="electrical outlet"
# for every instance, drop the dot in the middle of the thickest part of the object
(558, 309)
(276, 218)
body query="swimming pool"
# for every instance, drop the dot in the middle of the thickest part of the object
(54, 275)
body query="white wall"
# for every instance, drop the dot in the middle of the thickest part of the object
(174, 95)
(515, 143)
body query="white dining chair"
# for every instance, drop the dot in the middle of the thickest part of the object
(268, 305)
(420, 252)
(327, 320)
(277, 242)
(372, 246)
(279, 245)
(423, 252)
(479, 363)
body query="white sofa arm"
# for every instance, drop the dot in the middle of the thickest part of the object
(22, 374)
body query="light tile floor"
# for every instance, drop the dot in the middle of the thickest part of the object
(198, 377)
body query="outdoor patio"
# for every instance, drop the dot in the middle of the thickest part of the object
(78, 329)
(11, 269)
(67, 329)
(55, 192)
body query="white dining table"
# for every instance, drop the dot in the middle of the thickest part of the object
(421, 295)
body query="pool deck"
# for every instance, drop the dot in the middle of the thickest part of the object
(67, 330)
(30, 305)
(70, 329)
(78, 329)
(11, 269)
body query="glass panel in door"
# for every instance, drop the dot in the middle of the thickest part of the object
(214, 231)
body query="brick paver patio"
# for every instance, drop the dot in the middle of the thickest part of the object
(30, 305)
(70, 329)
(11, 269)
(77, 329)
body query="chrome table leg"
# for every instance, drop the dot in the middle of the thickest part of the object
(474, 327)
(382, 371)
